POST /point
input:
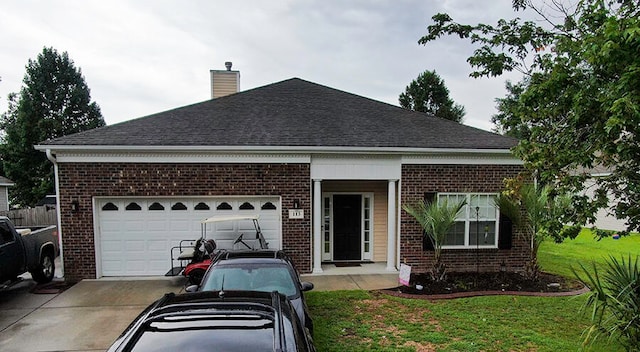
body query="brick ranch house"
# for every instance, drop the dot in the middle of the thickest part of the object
(129, 191)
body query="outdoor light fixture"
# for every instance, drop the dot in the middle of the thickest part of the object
(75, 206)
(296, 204)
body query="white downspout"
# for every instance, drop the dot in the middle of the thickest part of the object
(53, 159)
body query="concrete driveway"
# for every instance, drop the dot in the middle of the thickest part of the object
(87, 317)
(90, 315)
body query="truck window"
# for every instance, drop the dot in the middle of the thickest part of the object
(5, 234)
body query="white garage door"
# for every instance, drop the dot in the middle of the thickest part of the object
(135, 235)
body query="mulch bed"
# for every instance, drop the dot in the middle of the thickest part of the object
(472, 284)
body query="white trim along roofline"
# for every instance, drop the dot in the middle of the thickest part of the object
(269, 149)
(272, 154)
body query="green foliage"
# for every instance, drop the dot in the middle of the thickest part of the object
(506, 121)
(600, 234)
(436, 218)
(614, 301)
(578, 106)
(428, 94)
(539, 212)
(54, 101)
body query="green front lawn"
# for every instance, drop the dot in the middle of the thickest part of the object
(364, 321)
(558, 258)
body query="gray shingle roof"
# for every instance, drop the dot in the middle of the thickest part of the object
(291, 113)
(5, 181)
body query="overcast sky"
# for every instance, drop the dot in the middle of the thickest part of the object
(147, 56)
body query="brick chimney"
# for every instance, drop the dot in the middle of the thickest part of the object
(224, 82)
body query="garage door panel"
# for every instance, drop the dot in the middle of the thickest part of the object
(112, 267)
(158, 265)
(157, 245)
(112, 246)
(156, 224)
(136, 267)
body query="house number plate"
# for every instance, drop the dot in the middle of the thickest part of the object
(296, 214)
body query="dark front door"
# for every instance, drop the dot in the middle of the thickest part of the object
(347, 228)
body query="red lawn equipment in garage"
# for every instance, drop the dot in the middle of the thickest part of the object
(192, 257)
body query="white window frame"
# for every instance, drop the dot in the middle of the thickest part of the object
(468, 215)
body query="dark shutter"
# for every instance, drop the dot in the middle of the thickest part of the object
(427, 245)
(505, 235)
(430, 197)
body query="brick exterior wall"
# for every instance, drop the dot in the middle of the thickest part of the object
(418, 179)
(82, 181)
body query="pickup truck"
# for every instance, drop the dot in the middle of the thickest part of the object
(21, 250)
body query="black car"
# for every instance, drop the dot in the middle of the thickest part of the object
(264, 270)
(217, 321)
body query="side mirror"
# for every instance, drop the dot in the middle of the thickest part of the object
(306, 286)
(191, 288)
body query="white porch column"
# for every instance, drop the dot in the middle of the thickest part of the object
(317, 227)
(391, 226)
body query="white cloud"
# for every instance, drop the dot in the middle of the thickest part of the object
(148, 56)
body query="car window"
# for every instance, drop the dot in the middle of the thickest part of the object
(266, 278)
(5, 234)
(161, 337)
(227, 333)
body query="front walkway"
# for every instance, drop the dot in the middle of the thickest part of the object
(369, 276)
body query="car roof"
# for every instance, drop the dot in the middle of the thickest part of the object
(252, 253)
(250, 260)
(214, 297)
(231, 218)
(233, 305)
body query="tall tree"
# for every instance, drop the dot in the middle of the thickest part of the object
(507, 120)
(54, 101)
(428, 93)
(580, 100)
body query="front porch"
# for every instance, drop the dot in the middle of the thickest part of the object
(355, 221)
(371, 276)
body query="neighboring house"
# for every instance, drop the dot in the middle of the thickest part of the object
(5, 183)
(344, 163)
(605, 219)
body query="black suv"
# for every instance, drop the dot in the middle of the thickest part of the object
(217, 321)
(264, 270)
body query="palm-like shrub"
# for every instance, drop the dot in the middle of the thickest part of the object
(436, 219)
(539, 213)
(614, 300)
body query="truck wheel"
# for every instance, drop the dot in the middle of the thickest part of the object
(45, 270)
(195, 276)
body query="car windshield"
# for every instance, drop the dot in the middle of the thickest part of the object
(250, 277)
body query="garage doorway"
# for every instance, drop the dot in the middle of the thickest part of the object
(134, 236)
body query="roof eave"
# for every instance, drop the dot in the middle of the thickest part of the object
(267, 149)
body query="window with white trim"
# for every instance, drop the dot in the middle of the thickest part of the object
(476, 224)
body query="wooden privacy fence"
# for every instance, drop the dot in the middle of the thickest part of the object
(38, 216)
